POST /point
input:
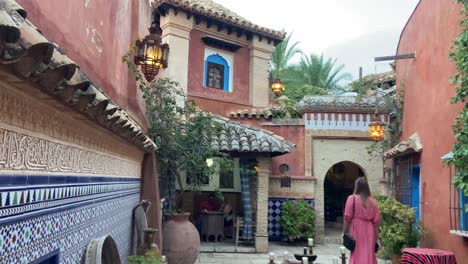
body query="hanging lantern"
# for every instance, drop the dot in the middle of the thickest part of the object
(151, 54)
(376, 128)
(277, 87)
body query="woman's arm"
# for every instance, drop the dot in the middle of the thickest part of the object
(348, 214)
(345, 225)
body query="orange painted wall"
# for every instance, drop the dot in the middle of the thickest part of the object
(427, 110)
(294, 134)
(240, 91)
(96, 34)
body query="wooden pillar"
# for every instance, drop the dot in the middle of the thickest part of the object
(261, 235)
(150, 192)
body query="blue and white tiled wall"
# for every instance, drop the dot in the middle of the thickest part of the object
(275, 231)
(40, 214)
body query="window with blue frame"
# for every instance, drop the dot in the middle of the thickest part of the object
(458, 200)
(463, 212)
(216, 73)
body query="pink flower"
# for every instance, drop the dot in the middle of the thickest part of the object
(310, 206)
(295, 201)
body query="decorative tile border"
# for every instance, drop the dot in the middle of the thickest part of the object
(23, 152)
(70, 231)
(275, 231)
(18, 202)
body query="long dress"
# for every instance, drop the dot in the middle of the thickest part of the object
(363, 220)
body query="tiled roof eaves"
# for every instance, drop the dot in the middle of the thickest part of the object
(330, 103)
(251, 114)
(411, 144)
(226, 16)
(31, 56)
(237, 137)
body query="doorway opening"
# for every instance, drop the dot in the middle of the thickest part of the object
(338, 185)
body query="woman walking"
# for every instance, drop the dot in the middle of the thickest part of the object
(362, 219)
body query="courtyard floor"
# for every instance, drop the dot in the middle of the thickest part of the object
(325, 253)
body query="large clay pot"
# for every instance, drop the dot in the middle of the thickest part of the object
(396, 259)
(181, 241)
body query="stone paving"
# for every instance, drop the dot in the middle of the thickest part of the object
(325, 253)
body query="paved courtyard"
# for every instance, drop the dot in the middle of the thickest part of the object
(325, 253)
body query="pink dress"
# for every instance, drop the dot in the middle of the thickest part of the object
(363, 221)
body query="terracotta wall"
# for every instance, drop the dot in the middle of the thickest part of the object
(294, 134)
(240, 91)
(427, 110)
(218, 106)
(96, 34)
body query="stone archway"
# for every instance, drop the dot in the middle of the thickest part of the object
(338, 185)
(102, 250)
(328, 152)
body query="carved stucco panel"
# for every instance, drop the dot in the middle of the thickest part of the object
(23, 152)
(27, 112)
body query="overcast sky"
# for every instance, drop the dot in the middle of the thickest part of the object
(354, 31)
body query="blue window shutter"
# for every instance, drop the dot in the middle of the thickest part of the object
(463, 213)
(216, 58)
(226, 78)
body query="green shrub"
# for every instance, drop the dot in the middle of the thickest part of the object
(149, 258)
(298, 220)
(398, 228)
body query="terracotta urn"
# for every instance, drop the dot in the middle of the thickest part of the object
(181, 241)
(396, 259)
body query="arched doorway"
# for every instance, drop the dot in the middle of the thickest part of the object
(338, 185)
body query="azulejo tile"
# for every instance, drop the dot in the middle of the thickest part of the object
(68, 229)
(275, 231)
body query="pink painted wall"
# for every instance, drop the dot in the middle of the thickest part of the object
(95, 34)
(427, 110)
(240, 93)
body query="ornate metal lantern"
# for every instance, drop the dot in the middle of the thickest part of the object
(376, 128)
(277, 87)
(151, 54)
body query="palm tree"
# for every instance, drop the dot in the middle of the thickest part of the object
(281, 56)
(313, 75)
(320, 72)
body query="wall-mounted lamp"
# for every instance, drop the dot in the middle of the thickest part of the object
(151, 54)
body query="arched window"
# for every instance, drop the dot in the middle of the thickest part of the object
(216, 72)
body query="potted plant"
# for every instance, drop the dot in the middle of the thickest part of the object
(148, 253)
(398, 228)
(298, 220)
(180, 238)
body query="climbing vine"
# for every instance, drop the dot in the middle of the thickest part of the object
(459, 55)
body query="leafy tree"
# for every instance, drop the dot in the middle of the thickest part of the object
(182, 133)
(281, 56)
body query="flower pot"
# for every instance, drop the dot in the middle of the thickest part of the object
(181, 241)
(396, 259)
